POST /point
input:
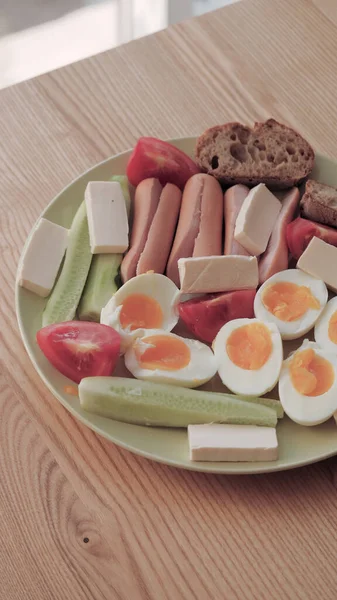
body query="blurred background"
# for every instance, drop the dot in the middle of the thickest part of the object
(40, 35)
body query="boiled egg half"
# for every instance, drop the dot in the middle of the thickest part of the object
(326, 327)
(308, 384)
(168, 358)
(147, 301)
(292, 300)
(249, 355)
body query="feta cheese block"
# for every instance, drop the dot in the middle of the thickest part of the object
(43, 258)
(218, 274)
(256, 219)
(232, 443)
(107, 217)
(319, 260)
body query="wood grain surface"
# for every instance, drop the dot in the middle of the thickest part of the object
(81, 518)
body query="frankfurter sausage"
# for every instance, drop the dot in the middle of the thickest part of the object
(146, 202)
(233, 200)
(275, 258)
(199, 231)
(160, 237)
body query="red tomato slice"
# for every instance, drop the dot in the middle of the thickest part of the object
(301, 231)
(80, 349)
(154, 158)
(205, 315)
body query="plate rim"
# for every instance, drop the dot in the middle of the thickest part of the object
(225, 468)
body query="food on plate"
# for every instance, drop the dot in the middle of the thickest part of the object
(326, 327)
(308, 384)
(256, 219)
(160, 237)
(319, 259)
(218, 274)
(293, 300)
(155, 158)
(124, 183)
(78, 349)
(161, 405)
(249, 354)
(232, 443)
(43, 257)
(102, 283)
(205, 315)
(168, 358)
(276, 256)
(145, 302)
(270, 153)
(107, 217)
(301, 231)
(199, 231)
(270, 402)
(319, 203)
(64, 299)
(155, 215)
(233, 200)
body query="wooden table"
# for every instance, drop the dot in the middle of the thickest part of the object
(81, 518)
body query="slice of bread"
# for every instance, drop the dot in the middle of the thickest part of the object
(319, 203)
(270, 153)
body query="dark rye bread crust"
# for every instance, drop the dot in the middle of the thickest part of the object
(319, 203)
(270, 153)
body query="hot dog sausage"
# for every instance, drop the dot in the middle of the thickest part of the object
(199, 230)
(275, 258)
(146, 201)
(160, 237)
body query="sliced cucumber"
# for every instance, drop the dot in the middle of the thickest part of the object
(146, 403)
(270, 402)
(102, 283)
(64, 299)
(124, 182)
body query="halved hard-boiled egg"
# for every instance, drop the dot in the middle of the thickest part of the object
(249, 355)
(293, 300)
(326, 327)
(308, 384)
(144, 302)
(168, 358)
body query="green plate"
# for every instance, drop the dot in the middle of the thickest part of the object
(298, 445)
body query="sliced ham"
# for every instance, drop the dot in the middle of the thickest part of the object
(233, 200)
(275, 258)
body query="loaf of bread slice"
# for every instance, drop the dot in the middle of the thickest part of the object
(319, 203)
(270, 153)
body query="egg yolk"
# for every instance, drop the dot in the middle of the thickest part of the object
(250, 346)
(164, 352)
(141, 311)
(311, 375)
(288, 301)
(332, 331)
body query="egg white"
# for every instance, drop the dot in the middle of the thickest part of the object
(308, 410)
(243, 381)
(322, 327)
(293, 329)
(159, 287)
(201, 368)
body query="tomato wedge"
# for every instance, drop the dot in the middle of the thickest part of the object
(80, 349)
(205, 315)
(154, 158)
(301, 231)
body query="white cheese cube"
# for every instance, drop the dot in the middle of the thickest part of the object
(107, 217)
(232, 443)
(256, 219)
(218, 274)
(43, 257)
(319, 259)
